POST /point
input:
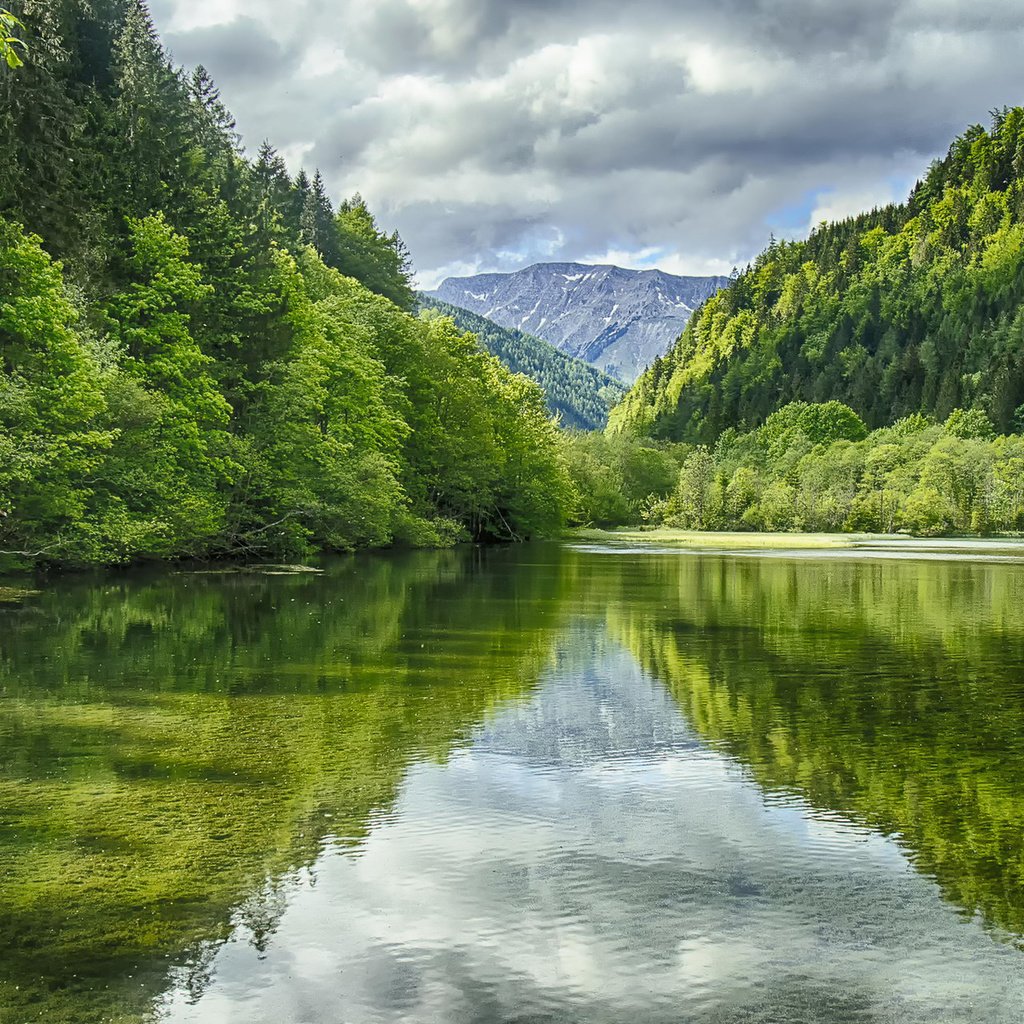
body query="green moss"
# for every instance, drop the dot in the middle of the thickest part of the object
(170, 747)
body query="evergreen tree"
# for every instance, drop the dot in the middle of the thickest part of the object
(379, 260)
(317, 223)
(150, 120)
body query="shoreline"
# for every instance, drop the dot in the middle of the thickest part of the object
(696, 540)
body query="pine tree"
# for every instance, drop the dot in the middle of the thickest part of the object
(318, 227)
(214, 129)
(380, 261)
(42, 128)
(271, 195)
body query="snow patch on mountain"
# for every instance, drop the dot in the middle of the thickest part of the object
(618, 320)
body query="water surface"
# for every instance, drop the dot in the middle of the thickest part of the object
(535, 784)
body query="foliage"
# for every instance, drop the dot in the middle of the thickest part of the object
(917, 308)
(52, 406)
(618, 479)
(11, 46)
(816, 469)
(221, 362)
(577, 393)
(379, 260)
(794, 474)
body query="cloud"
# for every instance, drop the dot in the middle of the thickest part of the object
(484, 130)
(242, 48)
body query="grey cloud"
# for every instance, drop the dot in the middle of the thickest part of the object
(456, 230)
(489, 132)
(242, 52)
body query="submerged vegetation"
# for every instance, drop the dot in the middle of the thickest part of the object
(202, 356)
(175, 749)
(172, 746)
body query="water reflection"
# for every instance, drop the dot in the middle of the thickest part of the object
(564, 868)
(169, 744)
(523, 785)
(892, 693)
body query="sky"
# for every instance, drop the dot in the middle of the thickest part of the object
(680, 134)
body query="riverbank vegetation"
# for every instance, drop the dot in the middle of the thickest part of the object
(811, 468)
(202, 355)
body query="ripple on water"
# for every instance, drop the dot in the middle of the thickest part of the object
(533, 785)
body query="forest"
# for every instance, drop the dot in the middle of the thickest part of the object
(868, 379)
(204, 356)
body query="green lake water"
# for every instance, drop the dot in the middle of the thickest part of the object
(555, 783)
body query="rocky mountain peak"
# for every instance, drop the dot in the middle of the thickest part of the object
(615, 319)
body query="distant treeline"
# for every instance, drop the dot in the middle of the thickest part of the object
(201, 355)
(811, 467)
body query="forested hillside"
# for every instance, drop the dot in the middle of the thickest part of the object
(201, 354)
(907, 309)
(578, 393)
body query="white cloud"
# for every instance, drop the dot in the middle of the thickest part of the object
(189, 16)
(840, 204)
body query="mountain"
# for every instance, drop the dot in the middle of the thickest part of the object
(617, 320)
(577, 392)
(913, 308)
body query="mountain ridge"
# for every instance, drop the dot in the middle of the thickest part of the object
(616, 319)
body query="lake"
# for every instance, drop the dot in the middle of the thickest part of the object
(553, 783)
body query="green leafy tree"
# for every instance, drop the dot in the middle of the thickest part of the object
(12, 48)
(52, 405)
(695, 503)
(174, 455)
(379, 260)
(323, 458)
